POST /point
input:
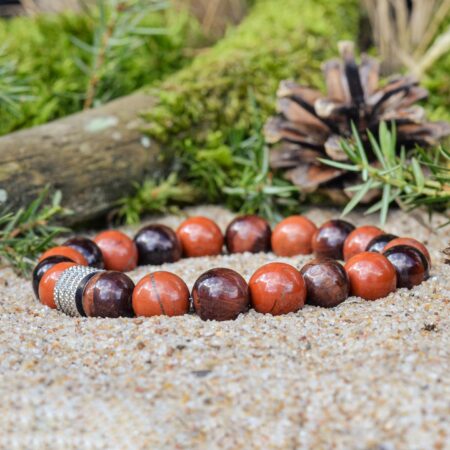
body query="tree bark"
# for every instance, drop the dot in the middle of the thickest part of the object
(93, 157)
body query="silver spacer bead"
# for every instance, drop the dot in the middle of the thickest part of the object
(66, 288)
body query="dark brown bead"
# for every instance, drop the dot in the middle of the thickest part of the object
(248, 234)
(157, 244)
(41, 269)
(108, 294)
(326, 281)
(328, 241)
(412, 243)
(378, 243)
(88, 248)
(220, 294)
(410, 264)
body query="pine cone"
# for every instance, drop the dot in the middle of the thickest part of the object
(446, 253)
(309, 126)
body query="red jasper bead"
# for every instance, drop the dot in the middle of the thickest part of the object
(293, 236)
(358, 240)
(200, 236)
(371, 275)
(378, 243)
(410, 264)
(118, 250)
(68, 252)
(326, 281)
(108, 294)
(412, 243)
(88, 248)
(277, 288)
(43, 267)
(328, 241)
(248, 234)
(157, 244)
(220, 294)
(48, 282)
(161, 293)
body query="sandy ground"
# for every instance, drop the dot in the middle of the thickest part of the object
(364, 375)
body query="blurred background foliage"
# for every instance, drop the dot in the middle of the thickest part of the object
(46, 72)
(43, 54)
(212, 102)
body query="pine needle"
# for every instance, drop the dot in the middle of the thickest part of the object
(118, 32)
(13, 90)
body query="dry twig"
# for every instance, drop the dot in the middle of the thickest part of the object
(407, 36)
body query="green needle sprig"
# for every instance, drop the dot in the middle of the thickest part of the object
(13, 89)
(420, 178)
(257, 190)
(26, 233)
(119, 31)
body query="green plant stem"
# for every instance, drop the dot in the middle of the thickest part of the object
(100, 57)
(420, 179)
(433, 189)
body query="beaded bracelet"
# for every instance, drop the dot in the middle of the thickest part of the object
(84, 277)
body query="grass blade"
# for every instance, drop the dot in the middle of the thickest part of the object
(357, 198)
(418, 174)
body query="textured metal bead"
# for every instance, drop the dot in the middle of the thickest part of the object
(66, 288)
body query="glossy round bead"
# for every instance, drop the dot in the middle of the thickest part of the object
(358, 240)
(248, 234)
(412, 243)
(48, 281)
(161, 293)
(371, 275)
(157, 244)
(410, 264)
(88, 248)
(328, 241)
(108, 294)
(118, 250)
(378, 243)
(220, 294)
(68, 252)
(200, 236)
(41, 269)
(277, 288)
(326, 282)
(293, 236)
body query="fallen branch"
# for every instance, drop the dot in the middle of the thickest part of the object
(93, 157)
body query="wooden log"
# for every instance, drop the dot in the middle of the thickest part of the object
(93, 157)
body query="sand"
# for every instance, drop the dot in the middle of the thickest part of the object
(364, 375)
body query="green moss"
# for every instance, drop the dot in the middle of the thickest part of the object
(274, 42)
(45, 60)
